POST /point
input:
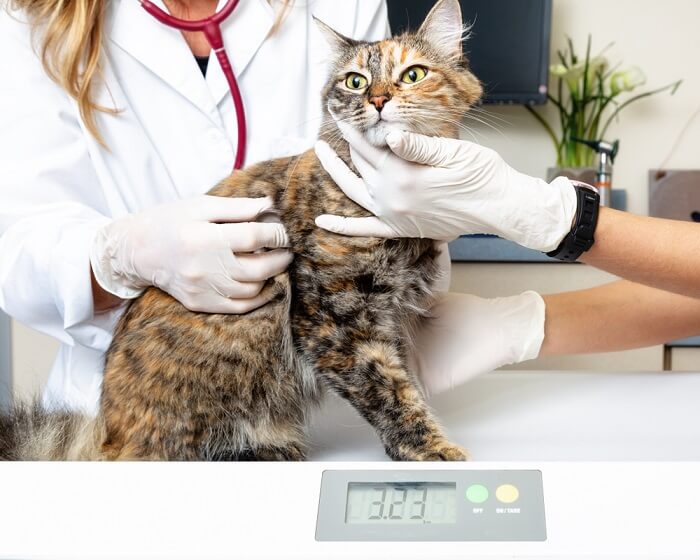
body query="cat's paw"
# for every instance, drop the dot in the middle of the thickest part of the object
(440, 450)
(290, 452)
(445, 451)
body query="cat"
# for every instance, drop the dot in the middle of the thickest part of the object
(180, 385)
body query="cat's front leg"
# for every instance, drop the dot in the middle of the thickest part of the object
(372, 377)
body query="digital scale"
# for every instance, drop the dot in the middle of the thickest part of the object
(444, 505)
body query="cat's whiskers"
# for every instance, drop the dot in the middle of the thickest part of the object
(478, 115)
(489, 115)
(426, 127)
(327, 117)
(418, 118)
(422, 119)
(332, 125)
(484, 123)
(460, 112)
(423, 115)
(461, 127)
(334, 140)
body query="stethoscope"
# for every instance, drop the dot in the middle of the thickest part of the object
(211, 27)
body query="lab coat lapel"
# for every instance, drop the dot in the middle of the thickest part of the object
(244, 32)
(161, 49)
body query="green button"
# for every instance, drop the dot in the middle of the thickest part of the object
(477, 493)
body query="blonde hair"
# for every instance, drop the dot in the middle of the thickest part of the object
(70, 48)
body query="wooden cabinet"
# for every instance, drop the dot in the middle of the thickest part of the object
(683, 359)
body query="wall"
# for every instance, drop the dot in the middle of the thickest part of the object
(661, 38)
(5, 361)
(32, 356)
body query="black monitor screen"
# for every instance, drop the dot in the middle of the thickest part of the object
(509, 47)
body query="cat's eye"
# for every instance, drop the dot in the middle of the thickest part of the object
(414, 75)
(356, 81)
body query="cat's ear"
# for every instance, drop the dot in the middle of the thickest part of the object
(444, 29)
(335, 39)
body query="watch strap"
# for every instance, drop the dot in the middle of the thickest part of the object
(582, 235)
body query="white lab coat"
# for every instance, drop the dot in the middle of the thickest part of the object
(174, 137)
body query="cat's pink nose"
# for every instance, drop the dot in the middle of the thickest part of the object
(379, 101)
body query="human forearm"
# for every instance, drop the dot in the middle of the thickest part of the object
(614, 317)
(102, 300)
(663, 254)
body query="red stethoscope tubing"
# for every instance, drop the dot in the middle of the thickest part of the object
(211, 27)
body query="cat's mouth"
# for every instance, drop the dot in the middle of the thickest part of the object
(375, 128)
(377, 132)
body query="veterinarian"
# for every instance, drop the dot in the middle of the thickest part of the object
(442, 188)
(111, 131)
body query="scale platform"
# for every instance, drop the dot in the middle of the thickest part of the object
(568, 466)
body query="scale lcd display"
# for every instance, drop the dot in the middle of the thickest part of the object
(404, 503)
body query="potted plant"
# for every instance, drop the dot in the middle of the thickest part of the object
(589, 97)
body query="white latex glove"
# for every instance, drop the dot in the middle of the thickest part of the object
(469, 335)
(202, 251)
(440, 188)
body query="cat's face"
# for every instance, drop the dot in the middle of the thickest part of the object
(418, 82)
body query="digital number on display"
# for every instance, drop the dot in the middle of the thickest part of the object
(401, 503)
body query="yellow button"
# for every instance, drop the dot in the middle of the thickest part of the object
(507, 493)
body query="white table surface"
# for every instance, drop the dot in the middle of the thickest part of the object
(548, 416)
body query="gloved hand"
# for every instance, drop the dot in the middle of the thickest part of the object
(469, 335)
(202, 251)
(441, 188)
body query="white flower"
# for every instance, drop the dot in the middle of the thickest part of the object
(597, 64)
(558, 70)
(627, 80)
(573, 76)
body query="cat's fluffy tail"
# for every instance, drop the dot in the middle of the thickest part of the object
(31, 433)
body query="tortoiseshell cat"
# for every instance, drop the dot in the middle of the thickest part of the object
(180, 385)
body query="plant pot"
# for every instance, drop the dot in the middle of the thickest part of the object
(583, 174)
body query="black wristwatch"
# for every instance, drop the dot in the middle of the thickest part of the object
(582, 235)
